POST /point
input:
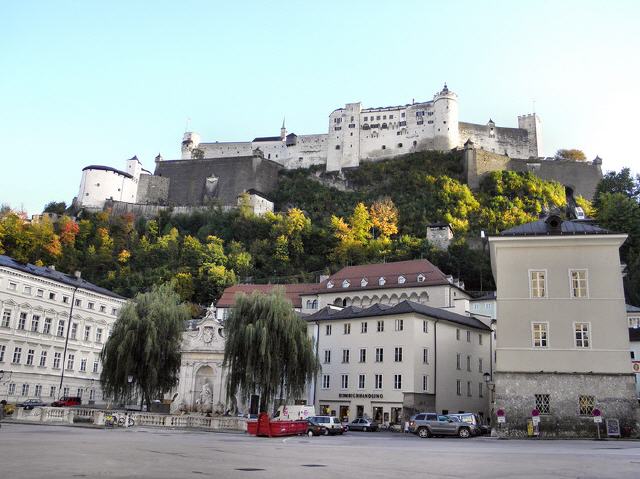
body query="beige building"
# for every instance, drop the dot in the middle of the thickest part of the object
(562, 345)
(389, 362)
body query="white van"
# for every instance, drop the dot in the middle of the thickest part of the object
(293, 413)
(332, 423)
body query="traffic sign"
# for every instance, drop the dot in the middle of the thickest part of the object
(502, 419)
(596, 412)
(500, 412)
(535, 413)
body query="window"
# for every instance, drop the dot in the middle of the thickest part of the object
(468, 363)
(399, 145)
(12, 389)
(480, 392)
(52, 296)
(364, 282)
(92, 395)
(79, 393)
(43, 359)
(543, 403)
(586, 405)
(346, 283)
(425, 326)
(540, 333)
(381, 281)
(399, 324)
(363, 327)
(344, 381)
(425, 355)
(327, 330)
(468, 336)
(458, 334)
(56, 360)
(578, 283)
(421, 278)
(22, 321)
(3, 349)
(25, 390)
(83, 365)
(74, 331)
(480, 339)
(329, 284)
(459, 387)
(39, 293)
(95, 366)
(91, 305)
(380, 326)
(379, 355)
(27, 290)
(87, 332)
(17, 353)
(61, 328)
(98, 335)
(384, 147)
(65, 299)
(582, 335)
(52, 392)
(425, 383)
(114, 311)
(402, 280)
(479, 365)
(103, 308)
(537, 284)
(35, 323)
(397, 381)
(70, 361)
(46, 328)
(361, 381)
(78, 302)
(30, 354)
(347, 328)
(327, 356)
(325, 381)
(363, 355)
(6, 318)
(398, 355)
(12, 286)
(469, 388)
(65, 391)
(345, 355)
(378, 381)
(38, 392)
(458, 361)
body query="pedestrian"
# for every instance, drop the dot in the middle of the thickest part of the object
(406, 427)
(3, 403)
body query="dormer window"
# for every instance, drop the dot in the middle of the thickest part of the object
(381, 281)
(401, 280)
(421, 278)
(364, 282)
(346, 283)
(329, 284)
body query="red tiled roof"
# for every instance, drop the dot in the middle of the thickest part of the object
(390, 272)
(291, 291)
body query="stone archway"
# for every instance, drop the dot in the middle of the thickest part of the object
(203, 393)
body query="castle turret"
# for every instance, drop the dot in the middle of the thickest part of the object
(190, 141)
(446, 119)
(134, 168)
(533, 125)
(343, 140)
(283, 131)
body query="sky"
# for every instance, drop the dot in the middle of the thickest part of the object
(95, 82)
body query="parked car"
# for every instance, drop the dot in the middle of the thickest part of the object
(363, 424)
(31, 403)
(315, 429)
(67, 401)
(331, 423)
(431, 424)
(473, 420)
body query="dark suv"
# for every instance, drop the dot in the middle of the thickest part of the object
(431, 424)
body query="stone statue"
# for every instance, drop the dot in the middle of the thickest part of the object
(206, 398)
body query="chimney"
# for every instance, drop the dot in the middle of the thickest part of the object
(77, 274)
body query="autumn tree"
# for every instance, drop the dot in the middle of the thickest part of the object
(570, 154)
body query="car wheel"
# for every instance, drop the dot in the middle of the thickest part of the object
(310, 433)
(325, 432)
(464, 432)
(424, 433)
(365, 429)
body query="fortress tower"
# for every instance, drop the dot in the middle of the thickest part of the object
(190, 141)
(533, 125)
(446, 134)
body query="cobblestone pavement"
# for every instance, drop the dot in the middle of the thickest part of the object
(34, 451)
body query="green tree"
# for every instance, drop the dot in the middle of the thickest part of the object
(57, 207)
(145, 344)
(618, 182)
(570, 154)
(268, 350)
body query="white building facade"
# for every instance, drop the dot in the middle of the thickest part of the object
(39, 347)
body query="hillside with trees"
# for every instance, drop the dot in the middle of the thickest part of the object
(380, 213)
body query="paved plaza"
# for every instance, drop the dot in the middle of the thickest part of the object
(35, 451)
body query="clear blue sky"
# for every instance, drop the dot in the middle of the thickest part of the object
(96, 82)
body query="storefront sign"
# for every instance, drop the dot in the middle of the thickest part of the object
(360, 396)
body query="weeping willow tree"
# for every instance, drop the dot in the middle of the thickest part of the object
(267, 350)
(145, 345)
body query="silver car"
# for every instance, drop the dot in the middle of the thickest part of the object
(363, 424)
(431, 424)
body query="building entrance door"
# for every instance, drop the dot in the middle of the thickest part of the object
(377, 414)
(359, 411)
(344, 413)
(396, 415)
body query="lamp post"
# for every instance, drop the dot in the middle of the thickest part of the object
(129, 380)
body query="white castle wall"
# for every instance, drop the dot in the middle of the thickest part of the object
(97, 186)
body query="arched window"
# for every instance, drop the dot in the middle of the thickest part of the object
(337, 147)
(314, 304)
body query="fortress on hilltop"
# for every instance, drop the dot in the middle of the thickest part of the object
(356, 134)
(225, 172)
